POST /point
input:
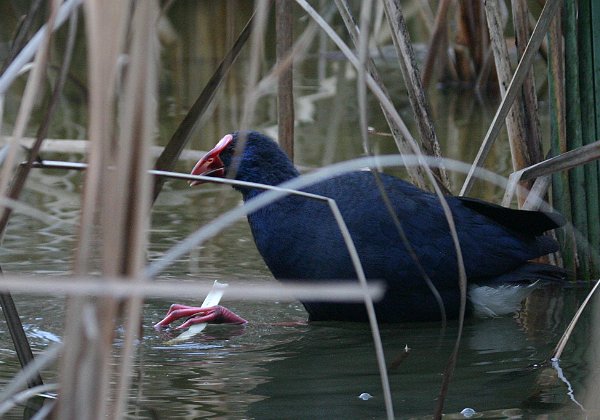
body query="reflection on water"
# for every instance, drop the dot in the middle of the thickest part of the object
(266, 370)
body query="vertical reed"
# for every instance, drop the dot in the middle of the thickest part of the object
(574, 130)
(560, 184)
(515, 123)
(533, 137)
(115, 205)
(285, 86)
(416, 93)
(581, 111)
(437, 42)
(590, 98)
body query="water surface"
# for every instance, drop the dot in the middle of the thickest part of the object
(265, 369)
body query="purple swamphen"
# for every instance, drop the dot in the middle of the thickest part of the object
(299, 240)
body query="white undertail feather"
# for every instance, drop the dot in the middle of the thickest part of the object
(498, 300)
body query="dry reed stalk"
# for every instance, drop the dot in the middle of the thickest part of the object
(515, 123)
(471, 44)
(563, 162)
(256, 88)
(103, 235)
(285, 86)
(81, 147)
(177, 288)
(560, 346)
(133, 185)
(540, 30)
(435, 44)
(412, 81)
(398, 129)
(30, 97)
(465, 41)
(256, 53)
(533, 136)
(362, 44)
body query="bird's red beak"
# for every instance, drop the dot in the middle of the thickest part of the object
(211, 164)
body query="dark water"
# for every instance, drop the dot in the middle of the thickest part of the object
(265, 370)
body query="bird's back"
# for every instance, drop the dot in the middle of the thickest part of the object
(299, 239)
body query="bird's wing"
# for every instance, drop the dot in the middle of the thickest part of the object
(533, 222)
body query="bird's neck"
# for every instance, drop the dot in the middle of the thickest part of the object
(273, 173)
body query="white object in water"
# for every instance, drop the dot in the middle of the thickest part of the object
(212, 299)
(365, 396)
(468, 412)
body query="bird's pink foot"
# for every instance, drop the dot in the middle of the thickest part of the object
(196, 315)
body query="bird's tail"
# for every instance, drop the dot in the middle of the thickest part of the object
(503, 295)
(531, 273)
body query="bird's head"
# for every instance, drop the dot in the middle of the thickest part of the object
(246, 156)
(212, 164)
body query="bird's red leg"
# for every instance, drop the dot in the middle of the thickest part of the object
(212, 314)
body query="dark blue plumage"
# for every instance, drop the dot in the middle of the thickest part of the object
(300, 240)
